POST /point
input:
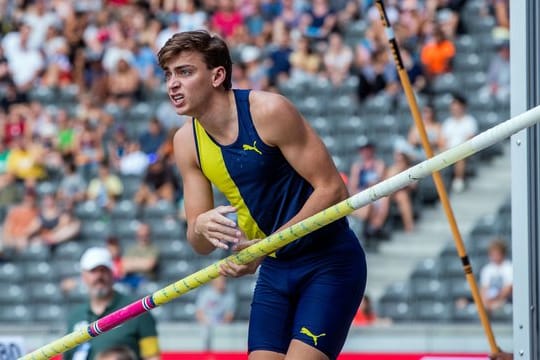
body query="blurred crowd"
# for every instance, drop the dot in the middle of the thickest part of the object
(100, 55)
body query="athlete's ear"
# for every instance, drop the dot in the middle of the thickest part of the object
(218, 76)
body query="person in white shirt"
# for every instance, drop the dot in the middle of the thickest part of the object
(458, 128)
(496, 277)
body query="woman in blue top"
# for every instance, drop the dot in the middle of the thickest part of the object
(261, 154)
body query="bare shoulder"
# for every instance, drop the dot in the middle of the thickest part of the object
(266, 105)
(184, 144)
(274, 116)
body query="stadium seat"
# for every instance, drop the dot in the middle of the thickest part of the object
(161, 314)
(425, 289)
(458, 288)
(183, 311)
(345, 105)
(465, 44)
(48, 313)
(397, 292)
(245, 286)
(378, 105)
(95, 230)
(175, 270)
(34, 252)
(503, 314)
(124, 209)
(311, 106)
(46, 187)
(452, 266)
(66, 268)
(45, 292)
(140, 113)
(11, 272)
(445, 83)
(15, 314)
(131, 184)
(468, 313)
(174, 249)
(159, 210)
(71, 250)
(166, 229)
(474, 81)
(469, 63)
(435, 311)
(397, 311)
(38, 271)
(428, 269)
(12, 294)
(88, 210)
(125, 229)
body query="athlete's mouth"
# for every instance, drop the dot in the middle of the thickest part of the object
(177, 97)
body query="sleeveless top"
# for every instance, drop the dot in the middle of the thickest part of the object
(258, 180)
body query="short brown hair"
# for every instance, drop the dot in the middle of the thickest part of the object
(213, 49)
(498, 244)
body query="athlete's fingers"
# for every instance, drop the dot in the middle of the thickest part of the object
(217, 243)
(225, 230)
(222, 237)
(223, 220)
(242, 244)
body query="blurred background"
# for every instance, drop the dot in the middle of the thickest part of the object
(86, 157)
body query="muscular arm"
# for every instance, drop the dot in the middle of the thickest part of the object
(205, 225)
(280, 124)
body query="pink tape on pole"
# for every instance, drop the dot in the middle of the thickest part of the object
(120, 316)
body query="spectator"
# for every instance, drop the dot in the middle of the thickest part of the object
(496, 277)
(106, 188)
(365, 172)
(458, 128)
(433, 131)
(139, 334)
(55, 225)
(88, 150)
(337, 59)
(379, 75)
(141, 260)
(124, 83)
(216, 304)
(39, 18)
(8, 188)
(227, 20)
(190, 17)
(498, 76)
(21, 222)
(133, 161)
(318, 21)
(25, 161)
(72, 188)
(65, 137)
(402, 197)
(113, 245)
(279, 56)
(152, 138)
(305, 61)
(501, 11)
(437, 54)
(158, 184)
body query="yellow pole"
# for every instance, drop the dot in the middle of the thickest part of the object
(441, 190)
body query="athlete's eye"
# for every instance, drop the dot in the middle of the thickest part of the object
(167, 76)
(185, 72)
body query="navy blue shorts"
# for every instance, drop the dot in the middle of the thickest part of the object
(309, 299)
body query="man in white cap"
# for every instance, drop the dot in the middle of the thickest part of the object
(139, 334)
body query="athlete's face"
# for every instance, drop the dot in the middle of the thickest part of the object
(190, 82)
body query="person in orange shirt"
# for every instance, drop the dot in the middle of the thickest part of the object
(365, 315)
(21, 223)
(437, 54)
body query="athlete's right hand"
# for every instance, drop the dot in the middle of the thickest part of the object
(219, 230)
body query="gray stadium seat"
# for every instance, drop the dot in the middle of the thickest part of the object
(131, 184)
(77, 295)
(159, 210)
(12, 294)
(71, 250)
(66, 268)
(140, 112)
(38, 271)
(125, 229)
(458, 288)
(166, 229)
(48, 313)
(465, 44)
(503, 314)
(88, 210)
(427, 269)
(171, 271)
(469, 63)
(11, 272)
(243, 310)
(161, 314)
(433, 311)
(424, 289)
(35, 252)
(465, 314)
(397, 311)
(474, 81)
(174, 250)
(45, 292)
(446, 83)
(96, 230)
(397, 292)
(183, 312)
(15, 314)
(124, 209)
(244, 287)
(379, 104)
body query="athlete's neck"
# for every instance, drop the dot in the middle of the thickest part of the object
(220, 118)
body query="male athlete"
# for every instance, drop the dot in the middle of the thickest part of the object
(258, 150)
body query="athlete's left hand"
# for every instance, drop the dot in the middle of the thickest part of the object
(230, 269)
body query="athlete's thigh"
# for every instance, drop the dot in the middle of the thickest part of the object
(328, 303)
(299, 350)
(271, 316)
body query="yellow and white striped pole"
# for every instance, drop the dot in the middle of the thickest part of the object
(282, 238)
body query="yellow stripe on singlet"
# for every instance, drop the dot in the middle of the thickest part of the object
(213, 167)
